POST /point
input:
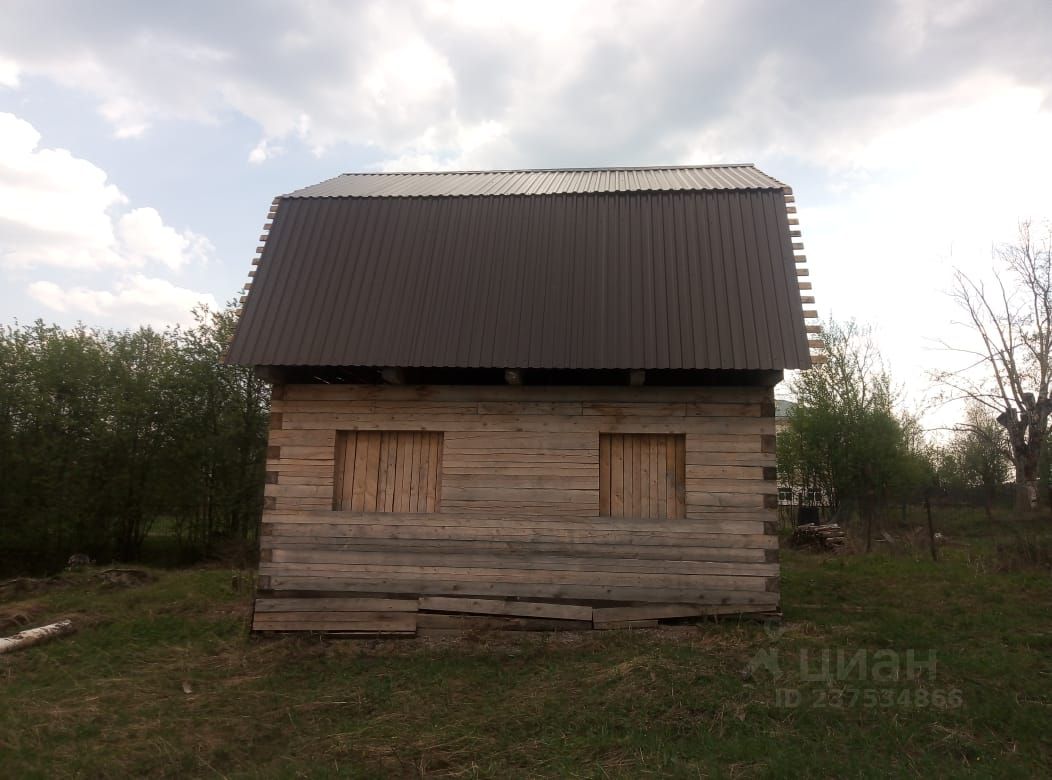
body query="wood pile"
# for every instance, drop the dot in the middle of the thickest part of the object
(432, 615)
(830, 537)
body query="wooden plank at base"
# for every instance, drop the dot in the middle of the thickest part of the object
(336, 605)
(374, 622)
(502, 607)
(431, 621)
(663, 611)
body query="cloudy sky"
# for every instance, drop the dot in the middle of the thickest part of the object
(141, 143)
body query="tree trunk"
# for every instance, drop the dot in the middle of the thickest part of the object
(931, 526)
(35, 636)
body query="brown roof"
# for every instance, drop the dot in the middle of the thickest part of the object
(611, 269)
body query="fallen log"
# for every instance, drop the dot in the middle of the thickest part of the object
(35, 636)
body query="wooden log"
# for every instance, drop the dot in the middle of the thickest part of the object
(35, 636)
(502, 607)
(336, 605)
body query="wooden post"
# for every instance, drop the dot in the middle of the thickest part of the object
(931, 526)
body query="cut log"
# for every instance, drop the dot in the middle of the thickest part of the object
(35, 636)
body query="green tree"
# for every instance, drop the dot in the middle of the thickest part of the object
(844, 437)
(104, 433)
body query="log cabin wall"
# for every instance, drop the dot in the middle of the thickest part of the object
(397, 509)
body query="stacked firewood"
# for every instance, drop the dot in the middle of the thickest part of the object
(830, 537)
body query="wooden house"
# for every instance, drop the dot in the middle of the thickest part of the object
(523, 399)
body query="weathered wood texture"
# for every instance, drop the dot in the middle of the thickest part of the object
(387, 471)
(642, 475)
(523, 504)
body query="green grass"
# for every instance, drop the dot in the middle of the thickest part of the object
(109, 701)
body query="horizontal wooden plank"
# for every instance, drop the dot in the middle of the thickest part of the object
(695, 458)
(323, 478)
(303, 438)
(620, 410)
(601, 615)
(724, 410)
(585, 523)
(755, 554)
(501, 574)
(698, 501)
(504, 393)
(530, 407)
(304, 491)
(378, 406)
(483, 588)
(362, 622)
(759, 487)
(503, 607)
(429, 622)
(526, 423)
(707, 473)
(336, 605)
(308, 453)
(521, 562)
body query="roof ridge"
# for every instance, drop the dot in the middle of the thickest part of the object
(596, 169)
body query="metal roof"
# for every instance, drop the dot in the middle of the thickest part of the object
(692, 279)
(540, 182)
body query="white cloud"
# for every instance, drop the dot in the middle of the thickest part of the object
(8, 73)
(146, 238)
(59, 210)
(135, 298)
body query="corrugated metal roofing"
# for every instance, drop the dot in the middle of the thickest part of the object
(540, 182)
(691, 279)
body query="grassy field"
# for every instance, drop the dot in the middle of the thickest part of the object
(164, 680)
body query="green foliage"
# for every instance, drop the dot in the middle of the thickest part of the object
(974, 464)
(844, 438)
(102, 433)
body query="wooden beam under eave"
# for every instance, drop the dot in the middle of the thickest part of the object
(807, 299)
(813, 328)
(805, 285)
(513, 376)
(636, 377)
(393, 375)
(816, 344)
(802, 272)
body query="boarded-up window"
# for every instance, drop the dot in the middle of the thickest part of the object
(642, 475)
(388, 471)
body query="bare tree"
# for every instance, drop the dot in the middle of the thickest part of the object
(1013, 367)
